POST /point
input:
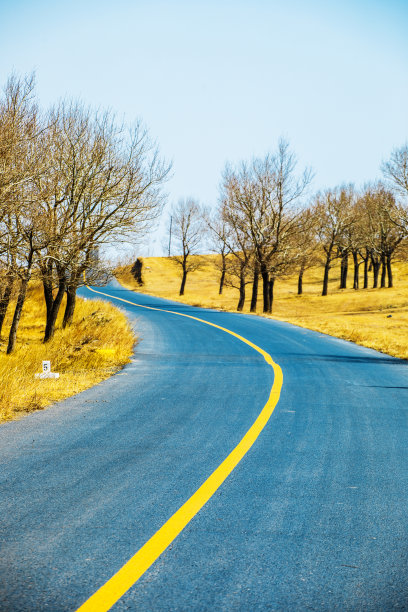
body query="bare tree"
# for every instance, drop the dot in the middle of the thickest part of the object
(23, 160)
(105, 186)
(395, 170)
(282, 188)
(267, 198)
(306, 245)
(18, 116)
(238, 208)
(188, 228)
(333, 210)
(239, 242)
(219, 239)
(357, 239)
(69, 183)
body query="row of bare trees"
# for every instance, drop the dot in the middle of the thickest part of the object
(363, 226)
(267, 226)
(71, 180)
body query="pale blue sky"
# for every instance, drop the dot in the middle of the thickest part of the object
(218, 81)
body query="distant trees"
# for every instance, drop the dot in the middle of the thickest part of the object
(266, 227)
(384, 235)
(266, 230)
(70, 182)
(361, 225)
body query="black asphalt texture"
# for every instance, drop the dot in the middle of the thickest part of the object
(315, 517)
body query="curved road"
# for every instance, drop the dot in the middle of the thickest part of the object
(314, 517)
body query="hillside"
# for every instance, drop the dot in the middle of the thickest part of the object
(376, 318)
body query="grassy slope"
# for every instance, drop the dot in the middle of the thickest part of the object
(98, 343)
(360, 316)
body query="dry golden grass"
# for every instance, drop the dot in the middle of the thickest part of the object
(98, 343)
(361, 316)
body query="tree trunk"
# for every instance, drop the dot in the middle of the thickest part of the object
(356, 270)
(383, 271)
(53, 314)
(376, 270)
(20, 301)
(270, 293)
(222, 279)
(300, 281)
(48, 297)
(183, 282)
(344, 270)
(366, 272)
(70, 306)
(326, 276)
(5, 301)
(17, 313)
(241, 300)
(254, 297)
(265, 286)
(389, 271)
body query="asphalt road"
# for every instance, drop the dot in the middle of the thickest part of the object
(314, 517)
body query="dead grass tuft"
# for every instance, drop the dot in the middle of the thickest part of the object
(99, 342)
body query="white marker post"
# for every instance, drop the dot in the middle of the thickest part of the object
(46, 373)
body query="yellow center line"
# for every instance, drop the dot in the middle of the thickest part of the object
(108, 594)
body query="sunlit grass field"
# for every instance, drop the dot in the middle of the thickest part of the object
(376, 318)
(98, 343)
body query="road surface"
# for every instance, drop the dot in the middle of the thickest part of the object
(314, 516)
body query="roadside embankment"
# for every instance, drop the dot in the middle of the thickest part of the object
(376, 318)
(97, 344)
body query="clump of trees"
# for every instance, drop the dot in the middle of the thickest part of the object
(262, 224)
(267, 226)
(71, 180)
(136, 270)
(361, 225)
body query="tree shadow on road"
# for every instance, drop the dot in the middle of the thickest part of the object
(366, 359)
